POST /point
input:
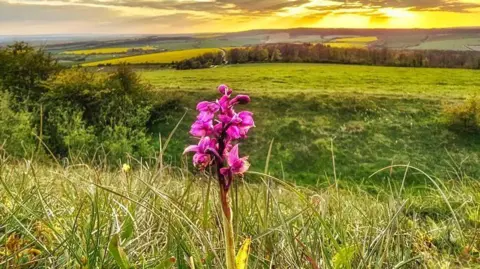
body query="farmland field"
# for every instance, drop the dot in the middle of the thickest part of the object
(376, 116)
(361, 39)
(107, 50)
(155, 58)
(402, 42)
(345, 45)
(448, 44)
(352, 42)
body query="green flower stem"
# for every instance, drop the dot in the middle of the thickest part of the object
(228, 229)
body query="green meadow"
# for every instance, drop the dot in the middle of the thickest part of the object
(367, 117)
(352, 167)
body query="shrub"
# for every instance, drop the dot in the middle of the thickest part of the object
(80, 111)
(16, 132)
(118, 141)
(465, 115)
(87, 110)
(68, 134)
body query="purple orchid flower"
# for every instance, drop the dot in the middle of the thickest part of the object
(239, 125)
(218, 125)
(203, 152)
(236, 165)
(201, 128)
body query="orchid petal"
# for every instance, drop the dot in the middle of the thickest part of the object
(233, 132)
(233, 156)
(192, 148)
(244, 167)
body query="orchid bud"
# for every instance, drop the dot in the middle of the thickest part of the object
(224, 89)
(240, 99)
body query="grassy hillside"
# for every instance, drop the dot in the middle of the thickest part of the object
(376, 116)
(155, 58)
(76, 216)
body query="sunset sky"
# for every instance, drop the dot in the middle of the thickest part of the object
(197, 16)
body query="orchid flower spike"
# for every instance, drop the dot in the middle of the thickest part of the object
(218, 126)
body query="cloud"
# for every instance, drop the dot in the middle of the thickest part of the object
(416, 5)
(23, 12)
(211, 6)
(181, 16)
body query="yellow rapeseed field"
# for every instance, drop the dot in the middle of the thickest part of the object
(346, 45)
(106, 50)
(155, 58)
(351, 42)
(360, 39)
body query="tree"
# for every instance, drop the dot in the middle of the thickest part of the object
(23, 72)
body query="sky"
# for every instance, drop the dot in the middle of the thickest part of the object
(27, 17)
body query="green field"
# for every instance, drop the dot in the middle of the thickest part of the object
(402, 41)
(458, 44)
(155, 58)
(107, 50)
(376, 116)
(273, 79)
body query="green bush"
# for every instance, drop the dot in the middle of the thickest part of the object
(78, 113)
(68, 134)
(87, 111)
(465, 115)
(120, 140)
(16, 131)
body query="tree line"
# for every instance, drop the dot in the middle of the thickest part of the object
(203, 61)
(319, 53)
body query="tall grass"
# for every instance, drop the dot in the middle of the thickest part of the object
(71, 216)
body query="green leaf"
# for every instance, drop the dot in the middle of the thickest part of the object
(344, 258)
(117, 252)
(241, 260)
(129, 225)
